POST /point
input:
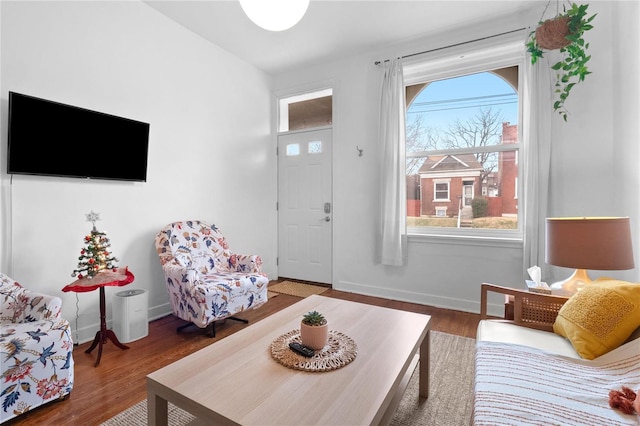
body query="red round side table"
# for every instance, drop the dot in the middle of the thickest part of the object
(119, 278)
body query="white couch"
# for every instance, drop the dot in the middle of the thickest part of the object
(527, 374)
(506, 332)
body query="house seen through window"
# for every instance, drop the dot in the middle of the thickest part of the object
(462, 150)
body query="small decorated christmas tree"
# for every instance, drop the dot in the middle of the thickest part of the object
(95, 256)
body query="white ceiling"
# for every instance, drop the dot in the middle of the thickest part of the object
(333, 29)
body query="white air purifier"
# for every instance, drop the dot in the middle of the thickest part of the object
(130, 315)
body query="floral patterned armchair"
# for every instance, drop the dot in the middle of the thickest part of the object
(36, 350)
(205, 280)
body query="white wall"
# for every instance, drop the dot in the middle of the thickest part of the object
(626, 114)
(595, 155)
(210, 152)
(585, 152)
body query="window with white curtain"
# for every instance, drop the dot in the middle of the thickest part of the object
(463, 140)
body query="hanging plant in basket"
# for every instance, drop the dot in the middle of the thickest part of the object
(564, 32)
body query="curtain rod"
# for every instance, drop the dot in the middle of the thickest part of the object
(453, 45)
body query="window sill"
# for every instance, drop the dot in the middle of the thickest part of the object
(513, 240)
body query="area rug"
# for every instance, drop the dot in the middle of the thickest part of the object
(297, 289)
(450, 400)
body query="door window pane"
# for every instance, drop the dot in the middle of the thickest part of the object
(293, 149)
(315, 147)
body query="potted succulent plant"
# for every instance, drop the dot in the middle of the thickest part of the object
(565, 33)
(314, 330)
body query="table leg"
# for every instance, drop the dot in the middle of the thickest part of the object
(103, 333)
(112, 336)
(157, 414)
(423, 382)
(97, 340)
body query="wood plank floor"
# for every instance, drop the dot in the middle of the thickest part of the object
(119, 381)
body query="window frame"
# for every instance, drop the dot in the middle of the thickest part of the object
(437, 182)
(471, 58)
(441, 209)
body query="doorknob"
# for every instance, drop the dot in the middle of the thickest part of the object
(327, 219)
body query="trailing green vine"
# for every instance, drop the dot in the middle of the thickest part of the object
(572, 68)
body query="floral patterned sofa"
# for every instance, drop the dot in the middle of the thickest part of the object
(36, 350)
(205, 280)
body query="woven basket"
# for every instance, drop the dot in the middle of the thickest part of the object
(551, 34)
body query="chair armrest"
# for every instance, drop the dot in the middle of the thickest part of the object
(251, 264)
(39, 306)
(180, 274)
(533, 310)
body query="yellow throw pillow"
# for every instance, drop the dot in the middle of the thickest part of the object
(600, 317)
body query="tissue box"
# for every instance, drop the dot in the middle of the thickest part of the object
(534, 288)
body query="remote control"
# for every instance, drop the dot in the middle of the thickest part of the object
(302, 350)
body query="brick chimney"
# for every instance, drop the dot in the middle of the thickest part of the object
(509, 133)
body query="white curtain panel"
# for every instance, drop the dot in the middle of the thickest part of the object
(537, 108)
(393, 209)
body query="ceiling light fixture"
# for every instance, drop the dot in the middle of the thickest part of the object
(275, 15)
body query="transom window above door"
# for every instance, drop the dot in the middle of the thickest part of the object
(306, 111)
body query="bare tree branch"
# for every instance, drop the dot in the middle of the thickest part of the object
(419, 138)
(483, 129)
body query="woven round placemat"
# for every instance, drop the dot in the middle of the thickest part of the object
(339, 351)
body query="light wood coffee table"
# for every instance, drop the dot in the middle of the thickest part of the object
(236, 381)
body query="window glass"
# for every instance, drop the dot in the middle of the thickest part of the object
(462, 148)
(441, 191)
(293, 149)
(306, 111)
(315, 147)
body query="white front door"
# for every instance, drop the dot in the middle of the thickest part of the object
(468, 193)
(305, 208)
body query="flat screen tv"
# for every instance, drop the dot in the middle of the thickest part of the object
(49, 138)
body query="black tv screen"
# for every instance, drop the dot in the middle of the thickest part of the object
(49, 138)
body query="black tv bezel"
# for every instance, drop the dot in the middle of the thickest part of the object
(114, 175)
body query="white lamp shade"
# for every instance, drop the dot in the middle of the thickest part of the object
(275, 15)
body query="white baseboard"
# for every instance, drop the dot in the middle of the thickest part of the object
(88, 333)
(472, 306)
